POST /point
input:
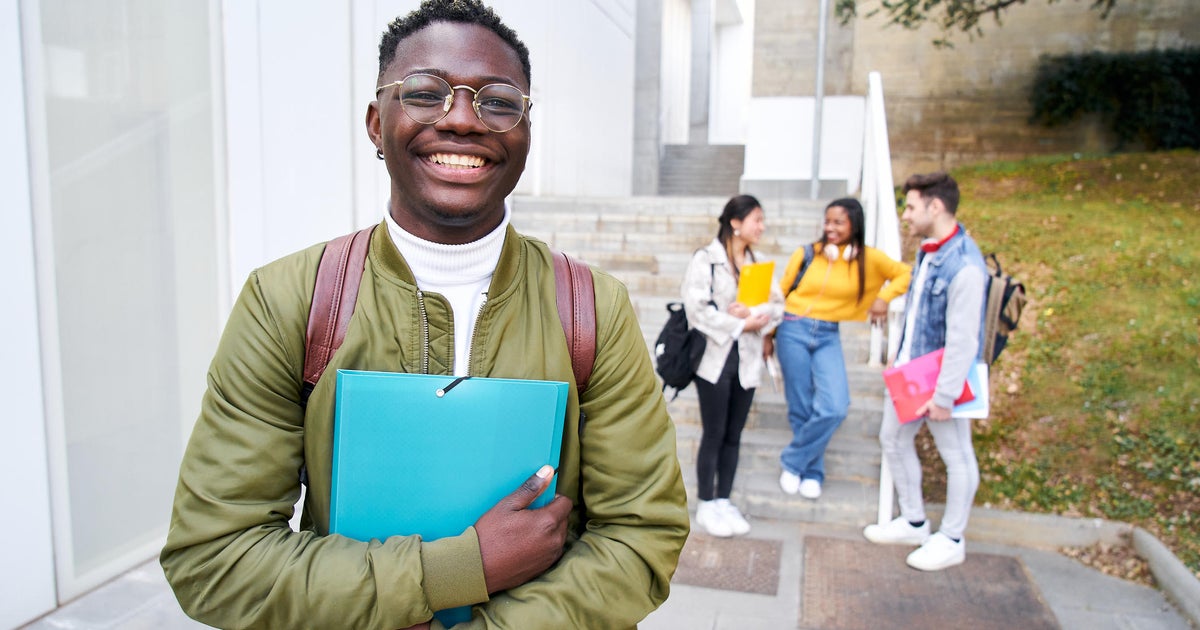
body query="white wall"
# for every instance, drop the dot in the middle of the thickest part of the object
(299, 158)
(290, 114)
(125, 213)
(729, 98)
(676, 71)
(582, 57)
(27, 572)
(779, 139)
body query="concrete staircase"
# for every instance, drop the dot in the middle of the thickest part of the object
(701, 169)
(647, 242)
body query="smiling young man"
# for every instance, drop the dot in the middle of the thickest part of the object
(945, 309)
(449, 287)
(450, 177)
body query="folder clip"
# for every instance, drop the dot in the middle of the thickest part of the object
(442, 391)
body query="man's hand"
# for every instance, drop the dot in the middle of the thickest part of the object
(518, 544)
(934, 412)
(768, 346)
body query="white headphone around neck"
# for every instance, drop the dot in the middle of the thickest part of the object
(831, 252)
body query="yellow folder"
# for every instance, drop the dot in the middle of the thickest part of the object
(754, 285)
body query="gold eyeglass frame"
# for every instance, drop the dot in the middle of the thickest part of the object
(526, 101)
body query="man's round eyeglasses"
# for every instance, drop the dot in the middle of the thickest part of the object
(427, 99)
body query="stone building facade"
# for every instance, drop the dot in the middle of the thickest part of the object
(969, 103)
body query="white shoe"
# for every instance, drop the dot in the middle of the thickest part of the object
(897, 532)
(789, 483)
(810, 489)
(711, 519)
(939, 552)
(733, 517)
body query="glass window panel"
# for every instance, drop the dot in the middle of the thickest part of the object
(129, 116)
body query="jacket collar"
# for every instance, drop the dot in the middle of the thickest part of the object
(930, 246)
(946, 245)
(384, 254)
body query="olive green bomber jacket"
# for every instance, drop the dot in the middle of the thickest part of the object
(234, 562)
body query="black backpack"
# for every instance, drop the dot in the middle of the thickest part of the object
(679, 347)
(1005, 301)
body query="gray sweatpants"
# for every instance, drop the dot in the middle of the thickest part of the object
(953, 440)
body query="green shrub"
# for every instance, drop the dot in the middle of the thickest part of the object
(1151, 97)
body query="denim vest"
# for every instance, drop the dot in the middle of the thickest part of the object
(929, 331)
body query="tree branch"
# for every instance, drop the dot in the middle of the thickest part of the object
(949, 15)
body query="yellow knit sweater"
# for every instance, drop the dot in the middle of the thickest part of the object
(829, 291)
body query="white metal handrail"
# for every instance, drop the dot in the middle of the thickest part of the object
(883, 233)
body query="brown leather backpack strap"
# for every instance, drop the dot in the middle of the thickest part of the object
(334, 295)
(576, 296)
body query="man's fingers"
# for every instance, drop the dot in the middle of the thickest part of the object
(561, 506)
(533, 486)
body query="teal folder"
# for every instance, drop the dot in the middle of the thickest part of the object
(428, 455)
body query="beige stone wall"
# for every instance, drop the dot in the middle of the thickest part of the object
(948, 107)
(785, 50)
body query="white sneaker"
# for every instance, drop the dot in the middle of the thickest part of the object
(789, 483)
(897, 532)
(810, 489)
(939, 552)
(711, 519)
(733, 517)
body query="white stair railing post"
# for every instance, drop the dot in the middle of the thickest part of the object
(883, 233)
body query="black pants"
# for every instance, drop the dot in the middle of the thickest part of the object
(724, 406)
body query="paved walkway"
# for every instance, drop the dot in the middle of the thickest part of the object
(1076, 596)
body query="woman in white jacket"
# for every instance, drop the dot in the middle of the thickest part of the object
(731, 367)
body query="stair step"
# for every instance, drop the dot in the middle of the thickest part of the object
(842, 501)
(646, 243)
(757, 493)
(650, 210)
(705, 169)
(701, 169)
(848, 457)
(769, 411)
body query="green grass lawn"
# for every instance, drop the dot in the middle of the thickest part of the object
(1097, 397)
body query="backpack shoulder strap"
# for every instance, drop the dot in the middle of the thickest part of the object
(809, 251)
(576, 298)
(712, 275)
(334, 295)
(336, 291)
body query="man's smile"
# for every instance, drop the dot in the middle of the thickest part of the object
(455, 160)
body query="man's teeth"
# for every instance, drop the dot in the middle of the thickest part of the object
(455, 160)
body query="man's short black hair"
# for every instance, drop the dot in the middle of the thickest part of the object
(935, 185)
(465, 11)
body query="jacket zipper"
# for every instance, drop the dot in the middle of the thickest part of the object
(475, 332)
(424, 331)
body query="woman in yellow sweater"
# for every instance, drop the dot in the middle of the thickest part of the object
(845, 281)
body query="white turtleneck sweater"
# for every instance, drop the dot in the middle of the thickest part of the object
(460, 273)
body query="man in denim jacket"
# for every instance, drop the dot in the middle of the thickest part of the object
(945, 309)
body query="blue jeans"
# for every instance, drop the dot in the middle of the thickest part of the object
(818, 396)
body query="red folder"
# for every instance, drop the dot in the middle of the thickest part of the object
(912, 384)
